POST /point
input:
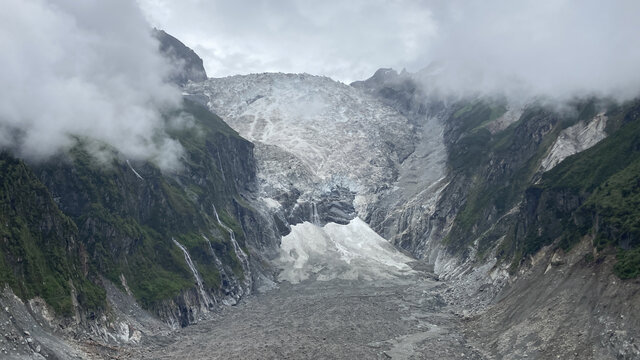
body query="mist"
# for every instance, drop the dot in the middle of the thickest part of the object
(83, 70)
(92, 69)
(554, 48)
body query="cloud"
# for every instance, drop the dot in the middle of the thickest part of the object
(346, 40)
(557, 48)
(87, 69)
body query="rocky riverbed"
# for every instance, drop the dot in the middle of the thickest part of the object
(399, 318)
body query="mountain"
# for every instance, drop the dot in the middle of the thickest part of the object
(187, 64)
(503, 198)
(74, 223)
(535, 215)
(527, 209)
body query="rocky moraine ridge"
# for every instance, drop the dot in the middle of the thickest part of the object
(338, 206)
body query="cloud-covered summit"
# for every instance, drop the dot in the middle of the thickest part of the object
(88, 69)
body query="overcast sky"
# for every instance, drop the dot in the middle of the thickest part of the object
(526, 41)
(83, 68)
(92, 69)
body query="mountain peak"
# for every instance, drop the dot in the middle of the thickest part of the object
(187, 64)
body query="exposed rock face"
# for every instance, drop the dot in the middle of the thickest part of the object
(575, 139)
(76, 229)
(187, 64)
(405, 212)
(489, 224)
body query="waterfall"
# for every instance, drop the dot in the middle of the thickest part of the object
(242, 256)
(134, 170)
(205, 297)
(315, 218)
(221, 169)
(228, 300)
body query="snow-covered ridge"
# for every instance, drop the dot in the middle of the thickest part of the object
(327, 132)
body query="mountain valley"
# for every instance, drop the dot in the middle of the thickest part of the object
(315, 219)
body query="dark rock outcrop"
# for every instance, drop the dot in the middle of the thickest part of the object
(187, 64)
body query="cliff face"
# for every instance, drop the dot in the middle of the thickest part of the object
(591, 194)
(187, 64)
(534, 219)
(501, 192)
(41, 253)
(174, 241)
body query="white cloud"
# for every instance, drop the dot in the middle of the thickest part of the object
(346, 40)
(558, 48)
(88, 69)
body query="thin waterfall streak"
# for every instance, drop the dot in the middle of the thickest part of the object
(315, 218)
(134, 170)
(205, 297)
(242, 256)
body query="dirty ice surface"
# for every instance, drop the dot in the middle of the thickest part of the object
(349, 252)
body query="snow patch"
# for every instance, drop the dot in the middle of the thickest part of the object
(134, 170)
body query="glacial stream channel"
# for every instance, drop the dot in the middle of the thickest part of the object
(339, 309)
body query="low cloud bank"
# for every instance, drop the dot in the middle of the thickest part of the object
(83, 69)
(556, 49)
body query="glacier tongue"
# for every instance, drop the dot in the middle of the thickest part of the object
(325, 152)
(352, 251)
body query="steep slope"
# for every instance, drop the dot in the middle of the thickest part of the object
(187, 64)
(128, 213)
(535, 212)
(593, 193)
(41, 254)
(83, 239)
(92, 245)
(494, 151)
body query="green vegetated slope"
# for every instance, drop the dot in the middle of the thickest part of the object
(122, 225)
(597, 193)
(594, 191)
(40, 253)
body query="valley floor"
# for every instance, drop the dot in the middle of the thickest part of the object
(402, 318)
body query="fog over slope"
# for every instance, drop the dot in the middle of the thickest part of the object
(88, 69)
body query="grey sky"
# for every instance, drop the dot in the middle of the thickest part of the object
(91, 68)
(554, 47)
(345, 40)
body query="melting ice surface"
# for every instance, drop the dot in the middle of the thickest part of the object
(352, 251)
